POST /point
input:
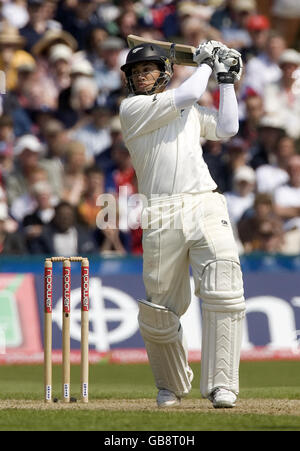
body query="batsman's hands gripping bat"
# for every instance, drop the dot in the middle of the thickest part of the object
(206, 52)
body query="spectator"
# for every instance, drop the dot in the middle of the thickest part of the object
(11, 240)
(6, 147)
(50, 38)
(286, 19)
(37, 24)
(64, 235)
(230, 19)
(194, 31)
(48, 92)
(79, 20)
(84, 93)
(15, 13)
(80, 67)
(271, 176)
(28, 152)
(283, 96)
(107, 69)
(12, 54)
(270, 236)
(93, 47)
(235, 156)
(248, 225)
(74, 176)
(95, 134)
(94, 186)
(127, 24)
(258, 27)
(124, 174)
(264, 68)
(243, 194)
(43, 213)
(254, 109)
(213, 154)
(125, 183)
(60, 57)
(25, 203)
(104, 159)
(287, 197)
(270, 131)
(20, 100)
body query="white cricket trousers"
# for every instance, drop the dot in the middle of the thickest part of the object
(194, 230)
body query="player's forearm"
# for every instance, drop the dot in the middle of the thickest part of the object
(191, 90)
(228, 115)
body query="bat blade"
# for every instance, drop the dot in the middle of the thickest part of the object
(178, 53)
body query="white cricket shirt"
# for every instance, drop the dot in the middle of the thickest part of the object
(164, 144)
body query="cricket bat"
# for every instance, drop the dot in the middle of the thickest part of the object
(179, 53)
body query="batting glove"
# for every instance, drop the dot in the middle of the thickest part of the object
(228, 65)
(206, 52)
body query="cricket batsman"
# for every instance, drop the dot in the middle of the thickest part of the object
(185, 221)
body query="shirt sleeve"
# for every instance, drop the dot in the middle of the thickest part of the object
(143, 114)
(208, 122)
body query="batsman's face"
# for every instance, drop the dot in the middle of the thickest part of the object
(144, 75)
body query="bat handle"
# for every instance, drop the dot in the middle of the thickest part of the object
(232, 61)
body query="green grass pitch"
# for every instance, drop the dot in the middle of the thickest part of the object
(122, 398)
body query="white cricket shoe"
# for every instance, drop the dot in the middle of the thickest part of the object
(222, 398)
(166, 398)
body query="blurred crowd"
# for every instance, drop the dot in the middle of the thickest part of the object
(61, 144)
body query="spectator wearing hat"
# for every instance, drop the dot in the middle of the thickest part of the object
(60, 60)
(274, 174)
(29, 168)
(25, 203)
(51, 60)
(258, 27)
(282, 97)
(264, 68)
(57, 77)
(243, 193)
(21, 99)
(12, 54)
